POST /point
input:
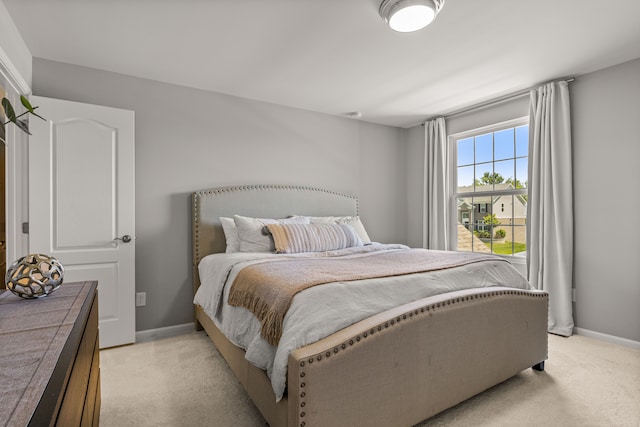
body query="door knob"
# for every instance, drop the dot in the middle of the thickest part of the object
(125, 239)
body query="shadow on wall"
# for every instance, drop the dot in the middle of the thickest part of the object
(163, 266)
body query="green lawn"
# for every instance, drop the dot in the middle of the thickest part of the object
(505, 248)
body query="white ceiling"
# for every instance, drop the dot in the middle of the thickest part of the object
(337, 56)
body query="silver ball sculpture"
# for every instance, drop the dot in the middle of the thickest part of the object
(34, 276)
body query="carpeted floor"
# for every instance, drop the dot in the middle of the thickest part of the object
(183, 381)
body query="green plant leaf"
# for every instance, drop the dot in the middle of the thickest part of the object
(8, 110)
(24, 125)
(26, 103)
(28, 106)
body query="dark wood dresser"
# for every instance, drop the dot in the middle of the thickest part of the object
(49, 360)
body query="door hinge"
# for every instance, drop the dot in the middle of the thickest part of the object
(25, 228)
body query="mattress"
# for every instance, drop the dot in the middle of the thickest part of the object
(321, 310)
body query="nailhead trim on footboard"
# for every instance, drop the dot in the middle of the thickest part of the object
(410, 315)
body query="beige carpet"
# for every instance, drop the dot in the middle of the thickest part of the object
(183, 381)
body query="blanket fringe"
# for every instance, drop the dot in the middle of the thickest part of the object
(271, 319)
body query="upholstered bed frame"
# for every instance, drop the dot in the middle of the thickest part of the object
(396, 368)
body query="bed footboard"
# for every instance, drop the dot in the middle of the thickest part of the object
(404, 365)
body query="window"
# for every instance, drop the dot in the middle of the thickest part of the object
(490, 176)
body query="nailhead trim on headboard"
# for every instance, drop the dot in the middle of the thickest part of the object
(197, 255)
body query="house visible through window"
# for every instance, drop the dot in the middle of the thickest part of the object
(490, 190)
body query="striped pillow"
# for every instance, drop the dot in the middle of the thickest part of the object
(353, 221)
(252, 233)
(295, 238)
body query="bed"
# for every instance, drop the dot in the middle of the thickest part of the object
(396, 367)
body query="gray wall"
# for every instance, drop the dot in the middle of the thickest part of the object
(606, 170)
(606, 156)
(15, 49)
(188, 139)
(414, 140)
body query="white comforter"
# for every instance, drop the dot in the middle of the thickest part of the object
(322, 310)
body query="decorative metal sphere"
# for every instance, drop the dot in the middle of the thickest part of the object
(34, 276)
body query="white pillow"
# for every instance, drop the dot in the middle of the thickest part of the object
(230, 234)
(353, 221)
(252, 236)
(320, 237)
(357, 225)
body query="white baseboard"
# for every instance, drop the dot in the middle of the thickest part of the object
(609, 338)
(166, 332)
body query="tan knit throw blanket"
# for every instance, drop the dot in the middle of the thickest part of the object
(267, 288)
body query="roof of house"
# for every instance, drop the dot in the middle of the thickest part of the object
(522, 198)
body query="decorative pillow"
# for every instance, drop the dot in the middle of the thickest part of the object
(320, 237)
(230, 234)
(252, 235)
(357, 225)
(353, 221)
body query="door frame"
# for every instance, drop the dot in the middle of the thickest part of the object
(16, 166)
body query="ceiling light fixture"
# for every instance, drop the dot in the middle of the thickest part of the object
(409, 15)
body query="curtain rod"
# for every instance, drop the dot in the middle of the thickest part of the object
(493, 102)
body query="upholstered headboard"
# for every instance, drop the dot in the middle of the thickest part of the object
(261, 201)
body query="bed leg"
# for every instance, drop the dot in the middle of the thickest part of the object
(538, 366)
(196, 323)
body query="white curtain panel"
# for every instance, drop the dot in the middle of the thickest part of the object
(436, 188)
(550, 206)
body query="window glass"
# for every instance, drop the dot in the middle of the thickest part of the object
(504, 144)
(491, 190)
(465, 177)
(465, 152)
(504, 172)
(484, 148)
(522, 141)
(484, 177)
(522, 172)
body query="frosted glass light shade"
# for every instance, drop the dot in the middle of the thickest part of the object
(411, 18)
(409, 15)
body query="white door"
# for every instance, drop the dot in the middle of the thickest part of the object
(81, 203)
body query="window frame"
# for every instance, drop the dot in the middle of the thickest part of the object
(452, 148)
